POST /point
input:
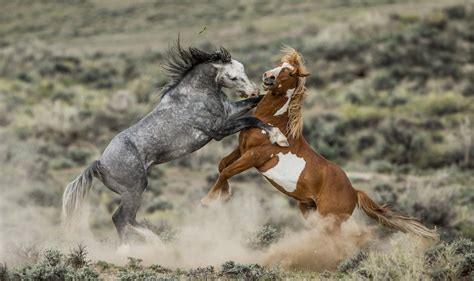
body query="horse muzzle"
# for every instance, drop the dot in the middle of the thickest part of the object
(255, 93)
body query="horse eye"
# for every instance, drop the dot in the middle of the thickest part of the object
(233, 78)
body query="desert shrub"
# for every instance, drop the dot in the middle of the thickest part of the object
(43, 197)
(158, 205)
(402, 143)
(442, 104)
(400, 263)
(201, 273)
(455, 12)
(437, 211)
(159, 269)
(450, 261)
(352, 263)
(435, 19)
(468, 90)
(264, 237)
(103, 265)
(163, 229)
(327, 134)
(384, 81)
(134, 270)
(231, 269)
(4, 272)
(381, 166)
(366, 141)
(358, 117)
(77, 257)
(134, 264)
(136, 275)
(84, 273)
(79, 155)
(99, 76)
(386, 193)
(53, 266)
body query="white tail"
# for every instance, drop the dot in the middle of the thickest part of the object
(76, 191)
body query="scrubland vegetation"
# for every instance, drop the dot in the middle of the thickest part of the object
(390, 98)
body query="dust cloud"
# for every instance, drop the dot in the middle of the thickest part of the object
(205, 236)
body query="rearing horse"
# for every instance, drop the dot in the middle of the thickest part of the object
(298, 171)
(192, 111)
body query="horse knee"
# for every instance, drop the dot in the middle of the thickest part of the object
(222, 165)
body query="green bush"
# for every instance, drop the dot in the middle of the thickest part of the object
(264, 237)
(53, 266)
(442, 104)
(231, 269)
(402, 144)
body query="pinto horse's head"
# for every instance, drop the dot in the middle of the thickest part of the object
(287, 73)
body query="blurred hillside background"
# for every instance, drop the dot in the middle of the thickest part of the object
(391, 99)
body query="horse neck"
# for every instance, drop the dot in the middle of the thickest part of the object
(274, 107)
(199, 81)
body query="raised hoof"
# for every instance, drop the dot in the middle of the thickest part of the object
(207, 201)
(225, 195)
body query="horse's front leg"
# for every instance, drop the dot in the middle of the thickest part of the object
(235, 125)
(251, 158)
(229, 159)
(239, 108)
(225, 191)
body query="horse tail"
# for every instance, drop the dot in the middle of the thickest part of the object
(76, 191)
(390, 218)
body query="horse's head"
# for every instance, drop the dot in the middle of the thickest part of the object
(286, 74)
(232, 75)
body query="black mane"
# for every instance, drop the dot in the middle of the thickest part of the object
(180, 61)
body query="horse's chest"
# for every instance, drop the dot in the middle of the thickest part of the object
(287, 171)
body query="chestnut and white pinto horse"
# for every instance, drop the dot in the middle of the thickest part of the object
(298, 171)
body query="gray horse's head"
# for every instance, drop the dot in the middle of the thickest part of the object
(232, 75)
(229, 73)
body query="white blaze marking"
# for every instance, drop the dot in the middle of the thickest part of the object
(276, 71)
(284, 108)
(287, 171)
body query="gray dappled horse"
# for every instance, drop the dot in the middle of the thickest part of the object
(192, 111)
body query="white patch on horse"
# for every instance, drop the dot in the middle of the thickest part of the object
(287, 171)
(263, 132)
(276, 71)
(284, 108)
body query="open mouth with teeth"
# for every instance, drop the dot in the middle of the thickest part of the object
(267, 86)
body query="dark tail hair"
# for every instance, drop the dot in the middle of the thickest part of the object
(387, 217)
(77, 190)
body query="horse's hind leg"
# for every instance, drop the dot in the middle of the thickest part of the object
(130, 187)
(126, 213)
(307, 208)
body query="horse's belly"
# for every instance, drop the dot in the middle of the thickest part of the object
(287, 171)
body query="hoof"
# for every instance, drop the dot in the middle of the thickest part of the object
(207, 201)
(276, 136)
(225, 195)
